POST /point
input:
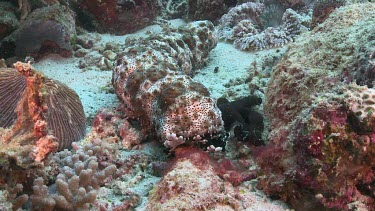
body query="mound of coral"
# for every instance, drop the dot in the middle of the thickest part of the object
(320, 102)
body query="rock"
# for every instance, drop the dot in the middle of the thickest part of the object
(206, 9)
(109, 55)
(46, 30)
(8, 19)
(118, 17)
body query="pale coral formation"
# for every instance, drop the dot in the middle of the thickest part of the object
(361, 102)
(76, 185)
(248, 11)
(246, 25)
(152, 80)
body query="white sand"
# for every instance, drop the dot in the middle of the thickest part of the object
(232, 64)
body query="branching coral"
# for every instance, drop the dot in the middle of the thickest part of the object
(76, 185)
(151, 81)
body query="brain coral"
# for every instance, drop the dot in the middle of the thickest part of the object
(152, 81)
(322, 139)
(37, 113)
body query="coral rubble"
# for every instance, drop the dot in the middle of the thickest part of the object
(320, 153)
(152, 81)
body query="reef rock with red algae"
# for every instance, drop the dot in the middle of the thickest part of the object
(194, 183)
(322, 139)
(119, 17)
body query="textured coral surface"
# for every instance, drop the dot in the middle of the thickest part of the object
(322, 126)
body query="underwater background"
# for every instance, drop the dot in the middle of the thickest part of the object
(187, 105)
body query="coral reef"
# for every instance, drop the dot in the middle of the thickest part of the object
(117, 16)
(322, 137)
(46, 30)
(248, 27)
(173, 9)
(112, 126)
(94, 53)
(248, 11)
(152, 80)
(37, 113)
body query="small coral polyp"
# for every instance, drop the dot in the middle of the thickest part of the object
(362, 107)
(152, 79)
